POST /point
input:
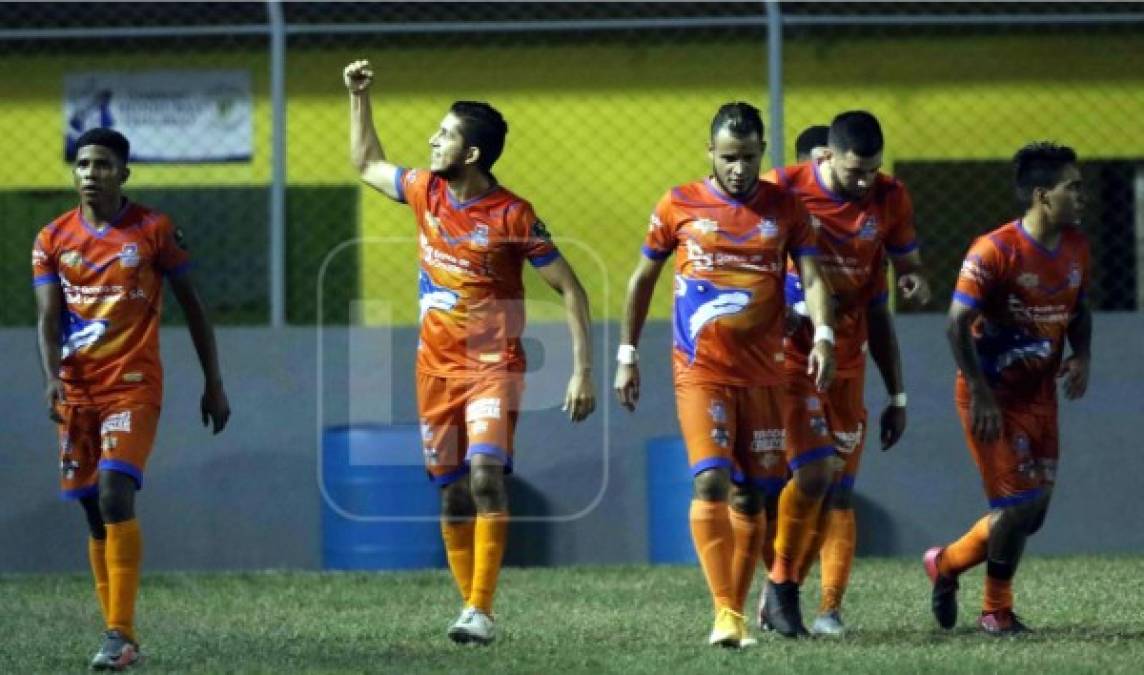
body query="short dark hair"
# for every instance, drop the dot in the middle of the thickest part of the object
(856, 131)
(1039, 165)
(812, 137)
(483, 126)
(740, 118)
(111, 139)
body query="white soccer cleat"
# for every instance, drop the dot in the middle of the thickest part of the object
(473, 626)
(828, 625)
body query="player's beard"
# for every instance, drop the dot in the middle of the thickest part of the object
(447, 172)
(841, 189)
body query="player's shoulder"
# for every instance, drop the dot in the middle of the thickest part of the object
(889, 188)
(689, 193)
(1003, 239)
(62, 223)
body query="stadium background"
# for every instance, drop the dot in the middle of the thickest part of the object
(608, 106)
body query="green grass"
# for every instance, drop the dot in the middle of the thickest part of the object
(1088, 614)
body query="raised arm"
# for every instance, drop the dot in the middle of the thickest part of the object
(580, 398)
(49, 304)
(641, 287)
(366, 152)
(214, 405)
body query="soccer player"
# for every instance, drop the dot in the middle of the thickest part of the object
(731, 234)
(98, 274)
(1020, 294)
(863, 216)
(475, 236)
(812, 143)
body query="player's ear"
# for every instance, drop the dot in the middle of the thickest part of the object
(762, 147)
(472, 154)
(126, 173)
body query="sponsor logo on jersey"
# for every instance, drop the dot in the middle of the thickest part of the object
(818, 425)
(1028, 280)
(869, 229)
(79, 333)
(704, 225)
(483, 409)
(768, 440)
(70, 258)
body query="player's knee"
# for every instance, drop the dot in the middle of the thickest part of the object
(456, 501)
(94, 517)
(711, 485)
(841, 497)
(488, 490)
(813, 479)
(746, 499)
(116, 497)
(1037, 518)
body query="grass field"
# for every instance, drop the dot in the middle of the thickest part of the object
(1088, 614)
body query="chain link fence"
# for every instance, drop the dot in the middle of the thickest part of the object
(608, 106)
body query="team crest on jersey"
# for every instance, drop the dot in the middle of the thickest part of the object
(38, 256)
(869, 229)
(704, 226)
(129, 255)
(1074, 275)
(717, 412)
(68, 467)
(480, 236)
(654, 223)
(818, 425)
(1028, 280)
(768, 228)
(70, 258)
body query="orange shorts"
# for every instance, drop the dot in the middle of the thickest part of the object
(1018, 466)
(110, 437)
(826, 424)
(461, 418)
(738, 428)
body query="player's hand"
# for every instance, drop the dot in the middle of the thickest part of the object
(214, 406)
(627, 385)
(54, 396)
(985, 415)
(1074, 372)
(358, 76)
(893, 425)
(820, 365)
(580, 399)
(915, 289)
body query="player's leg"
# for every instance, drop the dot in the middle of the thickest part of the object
(812, 459)
(771, 508)
(707, 422)
(847, 417)
(79, 479)
(127, 433)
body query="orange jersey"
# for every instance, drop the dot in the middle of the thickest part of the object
(1027, 295)
(471, 259)
(729, 271)
(853, 237)
(112, 283)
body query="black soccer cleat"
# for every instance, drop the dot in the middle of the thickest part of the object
(943, 599)
(784, 610)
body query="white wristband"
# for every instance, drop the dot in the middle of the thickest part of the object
(627, 355)
(898, 400)
(824, 333)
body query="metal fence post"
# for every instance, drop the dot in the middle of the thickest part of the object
(775, 79)
(277, 260)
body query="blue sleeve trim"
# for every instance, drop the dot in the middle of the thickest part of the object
(490, 450)
(799, 251)
(1014, 500)
(847, 482)
(880, 299)
(49, 278)
(124, 468)
(652, 254)
(967, 300)
(812, 455)
(80, 493)
(544, 260)
(902, 250)
(710, 463)
(178, 270)
(451, 477)
(399, 184)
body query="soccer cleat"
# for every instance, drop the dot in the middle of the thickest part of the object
(828, 624)
(764, 621)
(784, 611)
(473, 626)
(116, 653)
(1000, 623)
(729, 630)
(944, 597)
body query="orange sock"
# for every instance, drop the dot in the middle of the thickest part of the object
(490, 533)
(837, 557)
(966, 552)
(998, 594)
(124, 556)
(769, 541)
(748, 532)
(814, 546)
(459, 538)
(715, 544)
(97, 556)
(797, 513)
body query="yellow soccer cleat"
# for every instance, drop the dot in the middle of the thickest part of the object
(729, 630)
